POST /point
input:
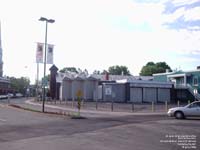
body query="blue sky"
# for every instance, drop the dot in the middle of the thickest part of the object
(96, 34)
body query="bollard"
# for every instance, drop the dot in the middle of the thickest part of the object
(152, 107)
(132, 107)
(178, 103)
(166, 106)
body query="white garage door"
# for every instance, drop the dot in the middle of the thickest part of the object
(149, 94)
(163, 95)
(136, 94)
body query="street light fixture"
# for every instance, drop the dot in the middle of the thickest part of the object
(45, 59)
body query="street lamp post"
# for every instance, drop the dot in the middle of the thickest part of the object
(45, 59)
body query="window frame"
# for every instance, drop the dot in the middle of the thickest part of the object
(195, 81)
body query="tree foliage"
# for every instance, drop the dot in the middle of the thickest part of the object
(19, 84)
(151, 68)
(96, 72)
(71, 69)
(118, 70)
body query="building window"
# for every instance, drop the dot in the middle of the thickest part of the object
(195, 81)
(181, 81)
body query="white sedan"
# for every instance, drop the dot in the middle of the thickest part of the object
(190, 110)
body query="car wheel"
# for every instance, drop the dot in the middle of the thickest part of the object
(179, 115)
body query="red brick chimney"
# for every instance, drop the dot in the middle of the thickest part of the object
(107, 76)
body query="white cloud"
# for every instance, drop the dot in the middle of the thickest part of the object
(89, 34)
(183, 2)
(174, 16)
(192, 14)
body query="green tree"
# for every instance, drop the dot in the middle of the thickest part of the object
(71, 69)
(118, 70)
(104, 71)
(19, 84)
(96, 72)
(151, 68)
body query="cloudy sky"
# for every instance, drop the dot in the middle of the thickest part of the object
(96, 34)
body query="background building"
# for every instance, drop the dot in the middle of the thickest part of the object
(186, 83)
(4, 82)
(117, 88)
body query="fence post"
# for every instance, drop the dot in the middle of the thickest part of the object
(112, 106)
(132, 106)
(166, 106)
(96, 104)
(82, 102)
(178, 103)
(72, 102)
(152, 106)
(8, 99)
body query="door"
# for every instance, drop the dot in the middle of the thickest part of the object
(193, 109)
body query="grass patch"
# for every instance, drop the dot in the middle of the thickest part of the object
(76, 116)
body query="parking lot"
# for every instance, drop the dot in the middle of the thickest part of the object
(22, 129)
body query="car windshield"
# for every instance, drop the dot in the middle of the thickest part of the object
(193, 105)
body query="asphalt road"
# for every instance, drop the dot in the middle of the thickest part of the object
(24, 130)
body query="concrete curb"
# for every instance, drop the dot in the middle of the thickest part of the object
(38, 111)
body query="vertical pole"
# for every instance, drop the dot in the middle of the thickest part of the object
(152, 106)
(9, 98)
(82, 102)
(185, 80)
(112, 106)
(73, 103)
(178, 103)
(96, 104)
(45, 49)
(37, 80)
(132, 106)
(166, 106)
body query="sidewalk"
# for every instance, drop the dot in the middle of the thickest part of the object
(88, 111)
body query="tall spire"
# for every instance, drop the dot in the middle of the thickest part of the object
(1, 61)
(0, 35)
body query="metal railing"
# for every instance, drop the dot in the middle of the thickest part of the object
(191, 90)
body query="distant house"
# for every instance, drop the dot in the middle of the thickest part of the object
(186, 83)
(90, 85)
(5, 86)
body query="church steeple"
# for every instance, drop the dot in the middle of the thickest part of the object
(1, 52)
(0, 35)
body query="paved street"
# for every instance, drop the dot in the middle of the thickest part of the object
(24, 130)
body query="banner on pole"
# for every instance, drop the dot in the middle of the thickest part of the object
(50, 53)
(39, 53)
